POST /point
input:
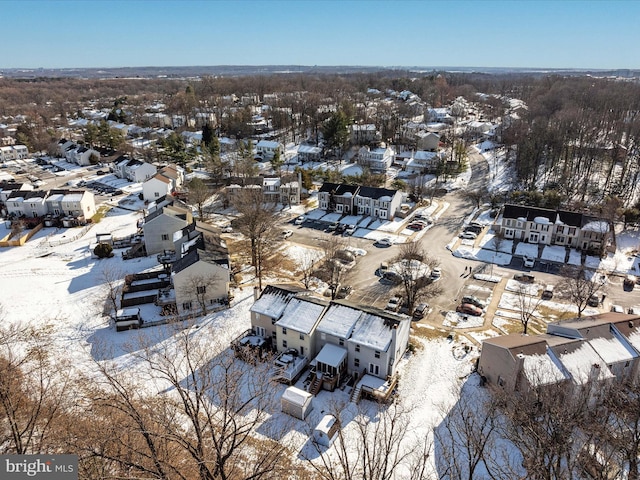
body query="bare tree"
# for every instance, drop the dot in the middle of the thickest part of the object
(527, 304)
(33, 393)
(199, 287)
(579, 285)
(374, 443)
(476, 196)
(307, 266)
(113, 280)
(466, 439)
(203, 422)
(414, 267)
(257, 221)
(199, 194)
(332, 270)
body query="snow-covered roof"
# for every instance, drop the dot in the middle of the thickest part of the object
(331, 354)
(339, 320)
(596, 226)
(296, 396)
(309, 149)
(612, 350)
(583, 363)
(542, 370)
(72, 197)
(300, 315)
(267, 144)
(542, 220)
(272, 302)
(371, 331)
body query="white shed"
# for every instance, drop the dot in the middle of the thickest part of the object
(296, 402)
(326, 431)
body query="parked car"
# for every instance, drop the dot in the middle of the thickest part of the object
(436, 273)
(299, 220)
(391, 277)
(344, 292)
(332, 227)
(528, 262)
(382, 269)
(547, 293)
(617, 309)
(420, 311)
(469, 309)
(473, 301)
(473, 228)
(101, 172)
(415, 226)
(634, 310)
(593, 300)
(629, 282)
(350, 230)
(383, 242)
(286, 234)
(227, 229)
(394, 304)
(524, 277)
(469, 235)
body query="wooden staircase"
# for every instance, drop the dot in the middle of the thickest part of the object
(355, 394)
(316, 384)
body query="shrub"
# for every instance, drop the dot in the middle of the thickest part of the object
(103, 250)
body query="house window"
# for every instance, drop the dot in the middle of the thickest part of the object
(560, 240)
(374, 369)
(284, 331)
(202, 289)
(356, 362)
(186, 306)
(377, 354)
(572, 231)
(341, 342)
(357, 348)
(156, 194)
(284, 344)
(302, 336)
(165, 236)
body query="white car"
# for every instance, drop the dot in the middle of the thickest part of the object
(351, 229)
(384, 242)
(468, 235)
(300, 220)
(287, 234)
(529, 262)
(436, 273)
(227, 229)
(617, 309)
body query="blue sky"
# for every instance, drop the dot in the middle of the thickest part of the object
(537, 34)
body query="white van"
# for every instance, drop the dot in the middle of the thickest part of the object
(547, 293)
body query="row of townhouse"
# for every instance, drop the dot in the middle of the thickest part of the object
(553, 227)
(575, 352)
(286, 190)
(357, 200)
(168, 180)
(13, 152)
(77, 204)
(343, 338)
(78, 154)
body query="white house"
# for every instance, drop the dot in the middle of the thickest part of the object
(160, 226)
(134, 170)
(166, 181)
(13, 152)
(362, 134)
(267, 149)
(82, 155)
(377, 159)
(423, 162)
(309, 153)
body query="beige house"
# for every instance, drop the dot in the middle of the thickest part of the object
(599, 348)
(160, 226)
(200, 283)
